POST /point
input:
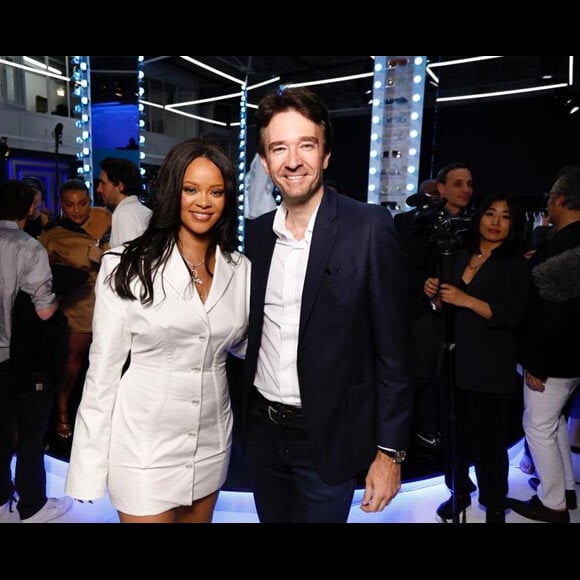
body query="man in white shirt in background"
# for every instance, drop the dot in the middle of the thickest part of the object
(120, 186)
(26, 397)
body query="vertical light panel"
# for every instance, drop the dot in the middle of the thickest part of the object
(141, 106)
(374, 188)
(397, 119)
(82, 91)
(242, 166)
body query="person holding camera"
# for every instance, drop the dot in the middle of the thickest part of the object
(425, 324)
(486, 296)
(440, 200)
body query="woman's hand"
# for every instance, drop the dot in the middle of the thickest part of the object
(452, 295)
(431, 287)
(95, 254)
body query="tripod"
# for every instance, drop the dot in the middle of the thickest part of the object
(57, 133)
(447, 249)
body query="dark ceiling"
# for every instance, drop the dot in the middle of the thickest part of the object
(346, 98)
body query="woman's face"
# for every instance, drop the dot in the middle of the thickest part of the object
(203, 197)
(76, 205)
(496, 222)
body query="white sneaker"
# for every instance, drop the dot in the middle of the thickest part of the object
(53, 508)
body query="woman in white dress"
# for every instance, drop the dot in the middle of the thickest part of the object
(175, 301)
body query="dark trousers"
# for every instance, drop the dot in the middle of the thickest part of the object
(24, 419)
(286, 485)
(483, 438)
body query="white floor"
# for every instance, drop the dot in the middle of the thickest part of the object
(415, 503)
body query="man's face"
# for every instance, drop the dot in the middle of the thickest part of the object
(110, 193)
(294, 156)
(457, 190)
(553, 204)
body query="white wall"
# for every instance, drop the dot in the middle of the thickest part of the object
(34, 131)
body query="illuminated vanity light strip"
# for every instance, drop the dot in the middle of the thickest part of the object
(41, 65)
(249, 106)
(264, 83)
(213, 70)
(329, 81)
(433, 65)
(221, 97)
(461, 61)
(501, 93)
(484, 95)
(432, 75)
(182, 113)
(192, 116)
(150, 104)
(34, 70)
(200, 101)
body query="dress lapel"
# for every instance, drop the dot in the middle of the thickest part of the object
(222, 276)
(177, 276)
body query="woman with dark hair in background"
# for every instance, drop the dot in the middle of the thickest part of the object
(488, 295)
(176, 299)
(74, 243)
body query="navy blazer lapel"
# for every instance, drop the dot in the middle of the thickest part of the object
(323, 237)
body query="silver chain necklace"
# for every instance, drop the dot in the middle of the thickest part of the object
(193, 270)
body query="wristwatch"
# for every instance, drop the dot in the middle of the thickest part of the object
(396, 456)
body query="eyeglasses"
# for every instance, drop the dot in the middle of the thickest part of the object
(548, 195)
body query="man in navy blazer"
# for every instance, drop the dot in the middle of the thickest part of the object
(327, 389)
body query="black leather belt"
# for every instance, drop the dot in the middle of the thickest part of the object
(278, 413)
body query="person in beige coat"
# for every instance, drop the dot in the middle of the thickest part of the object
(75, 243)
(158, 436)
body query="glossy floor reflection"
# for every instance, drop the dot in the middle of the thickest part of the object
(416, 502)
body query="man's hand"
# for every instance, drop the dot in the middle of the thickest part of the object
(382, 483)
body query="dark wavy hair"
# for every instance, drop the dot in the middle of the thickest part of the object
(144, 256)
(16, 197)
(299, 99)
(123, 170)
(514, 243)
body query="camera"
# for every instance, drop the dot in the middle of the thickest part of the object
(445, 230)
(446, 224)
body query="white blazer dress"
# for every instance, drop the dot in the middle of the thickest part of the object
(159, 436)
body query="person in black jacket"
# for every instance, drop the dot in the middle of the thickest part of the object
(487, 297)
(549, 354)
(36, 354)
(327, 393)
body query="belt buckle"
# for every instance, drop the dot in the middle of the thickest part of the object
(272, 412)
